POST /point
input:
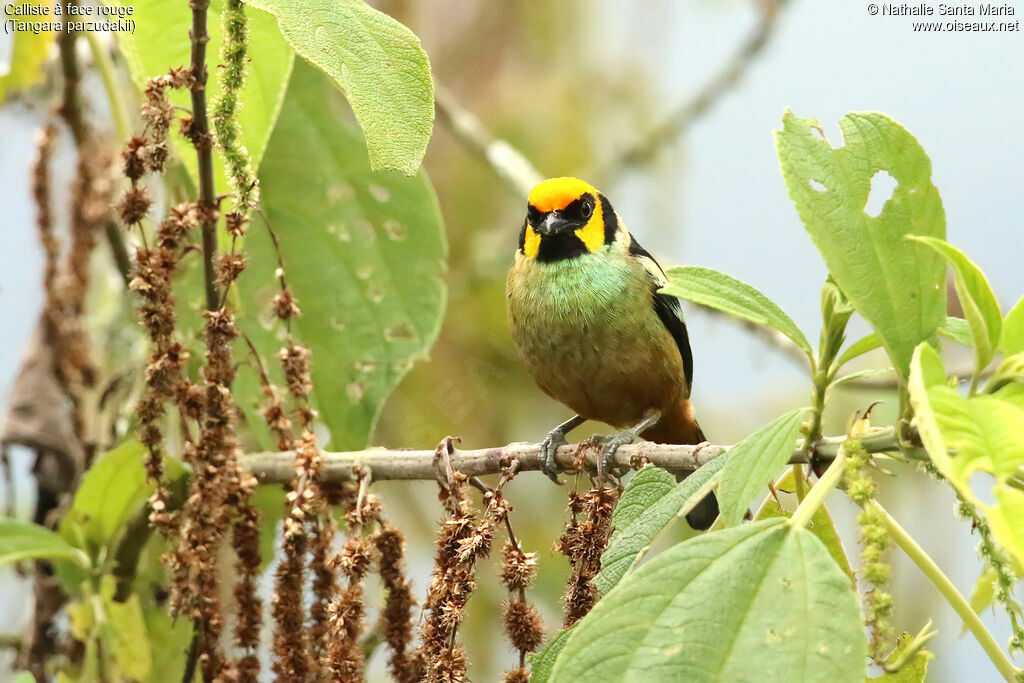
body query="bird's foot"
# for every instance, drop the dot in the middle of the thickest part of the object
(610, 444)
(549, 446)
(548, 452)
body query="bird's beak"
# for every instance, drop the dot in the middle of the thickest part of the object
(554, 225)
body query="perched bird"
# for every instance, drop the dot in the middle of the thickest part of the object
(594, 331)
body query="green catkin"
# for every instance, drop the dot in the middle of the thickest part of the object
(874, 540)
(995, 557)
(226, 129)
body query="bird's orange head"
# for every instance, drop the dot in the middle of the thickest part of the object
(566, 218)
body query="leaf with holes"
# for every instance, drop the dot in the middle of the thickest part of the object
(364, 252)
(379, 65)
(637, 528)
(896, 285)
(755, 462)
(161, 42)
(977, 298)
(720, 607)
(983, 433)
(725, 293)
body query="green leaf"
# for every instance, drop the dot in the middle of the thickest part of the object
(124, 631)
(967, 435)
(861, 374)
(725, 293)
(644, 489)
(21, 540)
(365, 254)
(895, 285)
(1012, 339)
(755, 462)
(859, 348)
(169, 640)
(977, 298)
(161, 41)
(821, 525)
(379, 65)
(914, 671)
(28, 54)
(958, 330)
(762, 601)
(630, 540)
(112, 490)
(542, 663)
(1010, 369)
(269, 499)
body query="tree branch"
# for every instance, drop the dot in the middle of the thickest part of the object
(720, 83)
(278, 467)
(203, 141)
(509, 163)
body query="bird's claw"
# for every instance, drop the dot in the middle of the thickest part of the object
(612, 443)
(548, 452)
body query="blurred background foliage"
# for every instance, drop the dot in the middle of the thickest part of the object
(572, 84)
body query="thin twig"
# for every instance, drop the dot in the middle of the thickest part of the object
(720, 83)
(277, 467)
(509, 163)
(200, 133)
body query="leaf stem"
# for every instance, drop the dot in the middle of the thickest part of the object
(934, 574)
(816, 497)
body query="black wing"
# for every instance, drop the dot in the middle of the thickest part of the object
(667, 307)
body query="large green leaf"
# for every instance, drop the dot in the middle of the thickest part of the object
(1012, 339)
(755, 462)
(821, 525)
(21, 540)
(896, 285)
(637, 527)
(725, 293)
(364, 253)
(979, 302)
(161, 41)
(542, 663)
(762, 601)
(983, 433)
(379, 65)
(27, 55)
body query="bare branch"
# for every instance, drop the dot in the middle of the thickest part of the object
(508, 162)
(386, 463)
(720, 83)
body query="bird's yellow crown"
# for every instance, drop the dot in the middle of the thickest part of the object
(554, 194)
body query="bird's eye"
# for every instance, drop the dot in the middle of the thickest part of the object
(587, 210)
(533, 215)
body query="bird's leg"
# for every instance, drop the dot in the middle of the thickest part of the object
(549, 446)
(612, 443)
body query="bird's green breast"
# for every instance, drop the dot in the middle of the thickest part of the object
(588, 333)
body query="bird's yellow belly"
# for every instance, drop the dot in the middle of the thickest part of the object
(594, 342)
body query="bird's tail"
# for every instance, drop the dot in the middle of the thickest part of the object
(678, 425)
